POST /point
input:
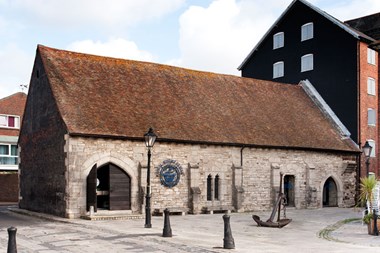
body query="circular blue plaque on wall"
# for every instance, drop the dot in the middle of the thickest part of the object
(170, 173)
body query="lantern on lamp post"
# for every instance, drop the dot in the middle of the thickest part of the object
(367, 149)
(150, 138)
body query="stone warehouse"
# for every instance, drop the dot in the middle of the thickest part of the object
(225, 138)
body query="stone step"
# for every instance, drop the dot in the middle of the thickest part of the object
(113, 217)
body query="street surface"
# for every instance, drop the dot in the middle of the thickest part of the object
(310, 231)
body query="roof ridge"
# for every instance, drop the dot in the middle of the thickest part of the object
(43, 47)
(14, 94)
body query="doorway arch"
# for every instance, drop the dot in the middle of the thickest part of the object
(289, 183)
(109, 188)
(330, 193)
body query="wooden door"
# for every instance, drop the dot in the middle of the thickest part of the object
(120, 189)
(91, 189)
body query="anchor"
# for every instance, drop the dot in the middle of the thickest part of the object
(281, 200)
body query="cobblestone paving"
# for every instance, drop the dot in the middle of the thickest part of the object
(196, 233)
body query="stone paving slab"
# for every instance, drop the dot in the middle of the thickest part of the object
(317, 230)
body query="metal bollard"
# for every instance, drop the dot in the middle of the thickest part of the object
(167, 229)
(12, 247)
(375, 228)
(228, 241)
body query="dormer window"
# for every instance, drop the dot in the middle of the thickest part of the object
(278, 40)
(307, 31)
(9, 121)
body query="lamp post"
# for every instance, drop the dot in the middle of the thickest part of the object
(150, 138)
(367, 149)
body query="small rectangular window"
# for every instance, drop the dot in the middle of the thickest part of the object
(371, 117)
(278, 69)
(307, 62)
(371, 56)
(371, 86)
(307, 31)
(209, 185)
(216, 187)
(8, 154)
(9, 121)
(373, 145)
(278, 40)
(3, 120)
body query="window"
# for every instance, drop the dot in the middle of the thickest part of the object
(278, 69)
(373, 145)
(307, 31)
(371, 56)
(209, 183)
(371, 117)
(216, 187)
(278, 40)
(9, 121)
(371, 86)
(307, 62)
(8, 154)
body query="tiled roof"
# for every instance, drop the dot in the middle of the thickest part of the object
(104, 96)
(13, 104)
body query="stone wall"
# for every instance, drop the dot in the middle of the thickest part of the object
(250, 186)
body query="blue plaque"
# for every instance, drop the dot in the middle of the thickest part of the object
(170, 173)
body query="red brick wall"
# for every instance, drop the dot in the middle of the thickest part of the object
(9, 187)
(368, 101)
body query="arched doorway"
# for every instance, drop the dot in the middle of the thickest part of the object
(330, 193)
(289, 181)
(109, 188)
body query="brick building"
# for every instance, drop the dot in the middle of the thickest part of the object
(11, 112)
(228, 138)
(339, 58)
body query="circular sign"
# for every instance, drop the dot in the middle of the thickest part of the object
(170, 172)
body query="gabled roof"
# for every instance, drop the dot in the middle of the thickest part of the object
(355, 33)
(13, 104)
(108, 97)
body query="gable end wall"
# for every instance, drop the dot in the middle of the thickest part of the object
(42, 167)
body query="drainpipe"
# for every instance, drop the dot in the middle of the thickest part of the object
(241, 155)
(359, 136)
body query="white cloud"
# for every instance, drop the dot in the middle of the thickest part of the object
(219, 37)
(346, 10)
(118, 48)
(96, 12)
(15, 70)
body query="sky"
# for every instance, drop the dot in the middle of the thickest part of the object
(207, 35)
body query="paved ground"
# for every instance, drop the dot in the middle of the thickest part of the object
(322, 230)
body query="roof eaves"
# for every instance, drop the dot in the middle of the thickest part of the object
(333, 19)
(229, 144)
